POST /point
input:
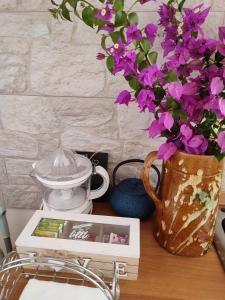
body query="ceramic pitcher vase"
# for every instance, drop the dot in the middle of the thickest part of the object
(187, 203)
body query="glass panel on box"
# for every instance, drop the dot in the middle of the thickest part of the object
(83, 231)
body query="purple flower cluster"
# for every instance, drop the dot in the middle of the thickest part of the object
(187, 93)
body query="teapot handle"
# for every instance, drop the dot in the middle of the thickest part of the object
(146, 178)
(132, 161)
(94, 194)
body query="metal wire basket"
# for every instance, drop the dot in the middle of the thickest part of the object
(17, 270)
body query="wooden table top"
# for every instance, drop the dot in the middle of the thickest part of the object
(163, 276)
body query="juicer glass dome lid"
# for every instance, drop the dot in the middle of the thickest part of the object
(63, 165)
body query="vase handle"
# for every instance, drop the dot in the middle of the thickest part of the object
(152, 156)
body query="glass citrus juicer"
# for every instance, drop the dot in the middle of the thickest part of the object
(66, 180)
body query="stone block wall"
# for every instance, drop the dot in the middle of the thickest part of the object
(52, 88)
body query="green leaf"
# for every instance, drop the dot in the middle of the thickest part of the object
(134, 84)
(145, 45)
(171, 76)
(219, 57)
(194, 34)
(115, 36)
(153, 57)
(103, 41)
(123, 35)
(118, 5)
(73, 3)
(88, 16)
(181, 4)
(140, 57)
(133, 18)
(220, 156)
(120, 18)
(172, 103)
(179, 114)
(66, 13)
(144, 64)
(159, 93)
(110, 63)
(183, 116)
(98, 22)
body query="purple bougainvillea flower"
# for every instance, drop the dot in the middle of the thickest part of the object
(221, 140)
(214, 105)
(199, 47)
(130, 66)
(175, 89)
(148, 76)
(216, 85)
(168, 46)
(221, 44)
(165, 121)
(192, 105)
(180, 57)
(221, 102)
(191, 88)
(155, 129)
(133, 33)
(194, 18)
(109, 27)
(222, 34)
(210, 45)
(123, 98)
(167, 150)
(166, 13)
(117, 50)
(146, 99)
(186, 132)
(221, 48)
(198, 144)
(100, 56)
(104, 14)
(126, 63)
(150, 31)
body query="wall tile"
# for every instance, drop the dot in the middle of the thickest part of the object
(8, 5)
(28, 114)
(83, 112)
(77, 140)
(132, 122)
(17, 144)
(66, 70)
(23, 25)
(34, 5)
(22, 196)
(18, 166)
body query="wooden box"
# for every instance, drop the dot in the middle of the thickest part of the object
(92, 240)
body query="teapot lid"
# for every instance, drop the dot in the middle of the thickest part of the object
(63, 165)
